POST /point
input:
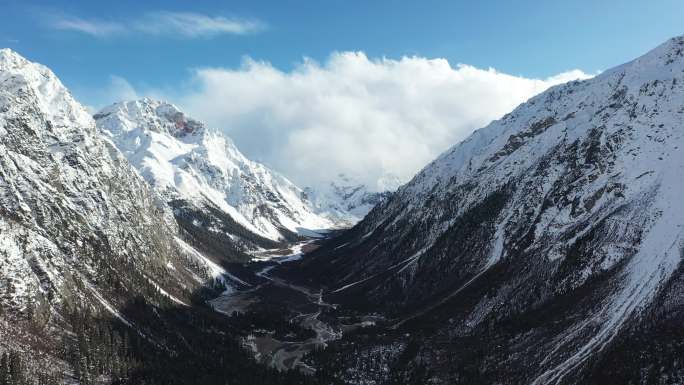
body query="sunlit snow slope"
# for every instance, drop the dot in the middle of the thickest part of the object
(190, 164)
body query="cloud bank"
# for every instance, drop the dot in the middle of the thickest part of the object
(354, 115)
(162, 23)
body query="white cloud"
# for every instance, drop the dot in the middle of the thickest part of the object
(352, 114)
(121, 89)
(116, 89)
(193, 25)
(162, 23)
(97, 28)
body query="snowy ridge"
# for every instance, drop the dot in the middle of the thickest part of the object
(183, 159)
(650, 159)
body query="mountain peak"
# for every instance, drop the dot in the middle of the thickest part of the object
(660, 62)
(23, 78)
(149, 115)
(8, 55)
(672, 48)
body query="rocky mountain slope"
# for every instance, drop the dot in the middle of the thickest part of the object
(544, 249)
(73, 214)
(218, 195)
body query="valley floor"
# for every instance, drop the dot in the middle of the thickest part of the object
(286, 321)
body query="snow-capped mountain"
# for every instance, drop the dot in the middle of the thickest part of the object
(207, 180)
(544, 249)
(78, 225)
(346, 201)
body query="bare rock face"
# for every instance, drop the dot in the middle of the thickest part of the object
(544, 243)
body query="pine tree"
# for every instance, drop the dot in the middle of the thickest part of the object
(4, 369)
(16, 371)
(30, 310)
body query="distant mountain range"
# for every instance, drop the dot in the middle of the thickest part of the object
(346, 200)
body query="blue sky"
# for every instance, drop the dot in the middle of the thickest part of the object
(381, 80)
(530, 38)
